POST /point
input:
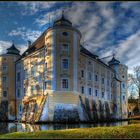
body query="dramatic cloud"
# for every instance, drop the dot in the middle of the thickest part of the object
(25, 34)
(106, 27)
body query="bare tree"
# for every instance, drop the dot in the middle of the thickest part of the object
(134, 80)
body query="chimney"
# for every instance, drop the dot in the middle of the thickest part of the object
(29, 43)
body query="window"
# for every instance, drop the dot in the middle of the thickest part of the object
(65, 84)
(82, 89)
(4, 79)
(123, 85)
(20, 108)
(25, 73)
(64, 33)
(102, 94)
(18, 77)
(65, 63)
(123, 97)
(65, 47)
(96, 93)
(111, 97)
(102, 80)
(89, 76)
(45, 67)
(33, 70)
(18, 93)
(82, 73)
(4, 68)
(96, 78)
(89, 90)
(4, 93)
(108, 82)
(32, 89)
(45, 84)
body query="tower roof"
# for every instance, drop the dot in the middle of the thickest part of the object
(62, 21)
(13, 50)
(114, 61)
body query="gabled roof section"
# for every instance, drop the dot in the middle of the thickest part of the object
(62, 21)
(13, 50)
(114, 61)
(85, 51)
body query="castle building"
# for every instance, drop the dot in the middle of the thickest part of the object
(7, 83)
(58, 80)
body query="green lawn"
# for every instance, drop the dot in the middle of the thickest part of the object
(130, 131)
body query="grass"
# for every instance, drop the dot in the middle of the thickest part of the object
(130, 131)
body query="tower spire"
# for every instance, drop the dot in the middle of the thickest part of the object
(62, 13)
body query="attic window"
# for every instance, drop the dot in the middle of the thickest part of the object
(64, 33)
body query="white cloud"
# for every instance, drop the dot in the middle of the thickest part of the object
(3, 46)
(30, 8)
(25, 34)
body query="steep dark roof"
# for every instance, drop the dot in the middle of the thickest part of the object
(88, 53)
(114, 61)
(62, 21)
(85, 51)
(13, 50)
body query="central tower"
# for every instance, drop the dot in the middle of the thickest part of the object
(64, 46)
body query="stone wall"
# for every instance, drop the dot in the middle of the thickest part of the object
(4, 110)
(62, 108)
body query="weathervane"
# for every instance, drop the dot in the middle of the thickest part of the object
(62, 13)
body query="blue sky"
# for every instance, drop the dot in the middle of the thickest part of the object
(107, 27)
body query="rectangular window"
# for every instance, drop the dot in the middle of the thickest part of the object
(18, 77)
(123, 85)
(96, 78)
(102, 94)
(32, 89)
(4, 79)
(82, 73)
(111, 96)
(89, 76)
(108, 82)
(96, 93)
(4, 93)
(82, 89)
(65, 63)
(33, 71)
(89, 90)
(45, 85)
(25, 74)
(65, 84)
(18, 93)
(65, 47)
(123, 97)
(102, 80)
(4, 68)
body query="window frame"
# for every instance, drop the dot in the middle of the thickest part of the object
(68, 83)
(62, 47)
(62, 68)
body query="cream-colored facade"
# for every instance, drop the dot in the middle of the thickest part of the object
(58, 80)
(7, 83)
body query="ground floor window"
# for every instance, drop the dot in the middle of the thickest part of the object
(65, 83)
(82, 89)
(89, 90)
(4, 93)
